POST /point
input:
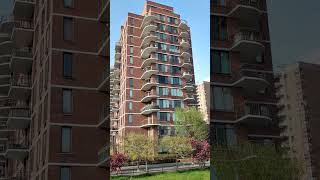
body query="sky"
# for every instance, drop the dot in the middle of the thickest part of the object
(198, 17)
(294, 31)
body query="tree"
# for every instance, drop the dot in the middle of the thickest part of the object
(179, 146)
(117, 161)
(253, 162)
(190, 122)
(139, 148)
(201, 151)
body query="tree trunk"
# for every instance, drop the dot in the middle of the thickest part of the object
(138, 165)
(146, 166)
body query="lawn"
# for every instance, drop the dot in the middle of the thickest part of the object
(185, 175)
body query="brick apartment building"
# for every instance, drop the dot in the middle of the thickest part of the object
(243, 104)
(298, 94)
(203, 98)
(154, 59)
(51, 89)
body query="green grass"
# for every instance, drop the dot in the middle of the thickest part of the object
(185, 175)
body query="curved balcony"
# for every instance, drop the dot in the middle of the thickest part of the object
(149, 96)
(187, 64)
(117, 63)
(20, 86)
(248, 43)
(117, 56)
(118, 47)
(6, 47)
(19, 118)
(148, 61)
(149, 83)
(116, 89)
(246, 10)
(184, 44)
(103, 157)
(4, 130)
(187, 75)
(184, 35)
(150, 122)
(148, 19)
(255, 115)
(149, 109)
(147, 30)
(147, 40)
(185, 55)
(16, 151)
(183, 25)
(188, 87)
(148, 72)
(22, 34)
(23, 8)
(251, 79)
(147, 51)
(189, 97)
(22, 60)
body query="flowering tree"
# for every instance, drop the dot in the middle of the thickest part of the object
(116, 162)
(201, 151)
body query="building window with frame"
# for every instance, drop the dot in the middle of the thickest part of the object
(130, 93)
(131, 60)
(224, 135)
(68, 28)
(67, 101)
(68, 3)
(221, 62)
(219, 27)
(130, 118)
(222, 98)
(131, 82)
(67, 64)
(131, 50)
(65, 173)
(130, 105)
(219, 3)
(131, 71)
(66, 139)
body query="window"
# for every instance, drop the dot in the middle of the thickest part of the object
(161, 36)
(219, 27)
(162, 68)
(177, 104)
(222, 98)
(160, 27)
(221, 62)
(161, 46)
(175, 81)
(176, 92)
(163, 103)
(130, 105)
(173, 39)
(162, 91)
(131, 59)
(130, 30)
(67, 65)
(66, 139)
(163, 116)
(172, 29)
(175, 70)
(130, 93)
(130, 82)
(131, 21)
(161, 57)
(130, 118)
(131, 70)
(174, 59)
(172, 20)
(173, 48)
(219, 2)
(65, 173)
(130, 39)
(163, 79)
(67, 28)
(68, 3)
(224, 135)
(67, 101)
(131, 50)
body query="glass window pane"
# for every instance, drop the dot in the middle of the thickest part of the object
(67, 64)
(68, 3)
(218, 98)
(65, 173)
(66, 140)
(67, 28)
(67, 101)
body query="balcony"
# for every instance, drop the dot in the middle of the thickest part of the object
(188, 86)
(150, 95)
(253, 80)
(115, 97)
(103, 157)
(187, 75)
(148, 19)
(185, 44)
(148, 72)
(150, 122)
(4, 130)
(184, 35)
(117, 63)
(116, 89)
(247, 10)
(149, 83)
(16, 151)
(185, 55)
(104, 11)
(147, 51)
(148, 61)
(22, 60)
(103, 45)
(22, 34)
(104, 84)
(255, 115)
(118, 47)
(23, 8)
(19, 118)
(20, 86)
(5, 104)
(248, 43)
(183, 25)
(187, 64)
(5, 68)
(189, 97)
(147, 40)
(104, 117)
(149, 109)
(147, 30)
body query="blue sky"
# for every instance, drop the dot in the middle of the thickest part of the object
(196, 12)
